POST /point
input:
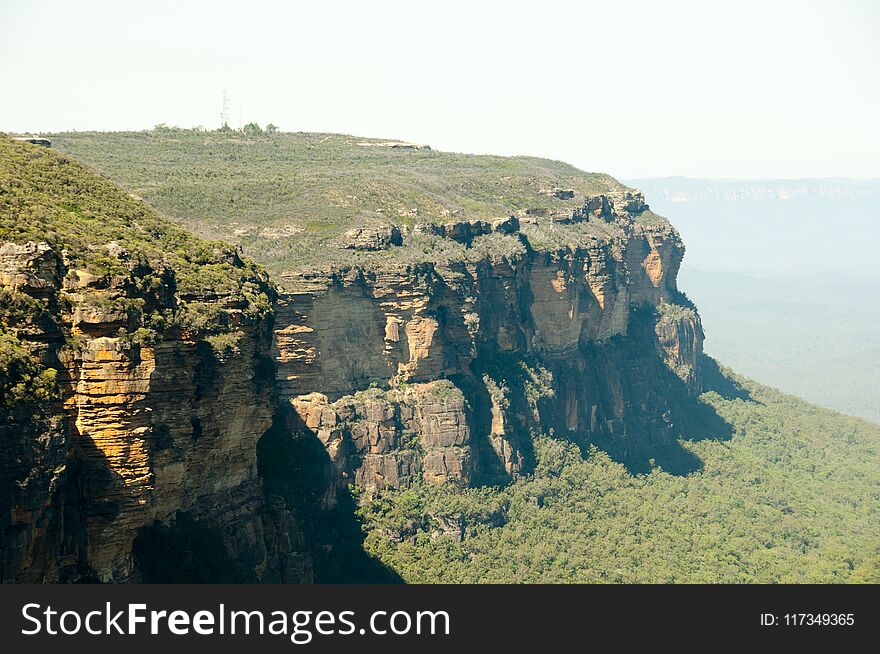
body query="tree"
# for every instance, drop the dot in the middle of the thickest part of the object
(271, 129)
(252, 129)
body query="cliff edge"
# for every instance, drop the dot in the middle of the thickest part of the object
(447, 371)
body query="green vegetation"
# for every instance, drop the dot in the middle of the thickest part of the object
(131, 249)
(287, 197)
(668, 311)
(226, 343)
(793, 496)
(26, 387)
(47, 197)
(24, 384)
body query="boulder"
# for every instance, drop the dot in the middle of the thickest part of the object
(33, 268)
(380, 237)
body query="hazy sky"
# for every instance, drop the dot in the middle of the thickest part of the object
(744, 89)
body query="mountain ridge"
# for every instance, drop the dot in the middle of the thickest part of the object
(415, 355)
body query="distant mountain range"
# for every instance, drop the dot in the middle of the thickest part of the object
(787, 278)
(790, 227)
(687, 189)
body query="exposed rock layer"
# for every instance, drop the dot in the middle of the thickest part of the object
(576, 340)
(140, 431)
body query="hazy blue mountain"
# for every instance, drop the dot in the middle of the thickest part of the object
(787, 278)
(791, 227)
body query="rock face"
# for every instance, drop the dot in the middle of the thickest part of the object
(377, 438)
(446, 372)
(143, 427)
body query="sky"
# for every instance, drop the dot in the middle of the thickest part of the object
(635, 89)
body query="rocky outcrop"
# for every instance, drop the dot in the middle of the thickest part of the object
(465, 231)
(680, 337)
(146, 424)
(395, 145)
(570, 340)
(379, 439)
(36, 140)
(380, 237)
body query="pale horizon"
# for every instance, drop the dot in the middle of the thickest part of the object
(636, 91)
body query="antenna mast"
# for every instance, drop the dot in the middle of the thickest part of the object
(224, 113)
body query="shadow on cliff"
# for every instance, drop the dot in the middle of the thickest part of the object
(295, 466)
(718, 379)
(688, 418)
(184, 550)
(100, 493)
(490, 467)
(645, 418)
(619, 397)
(178, 550)
(40, 501)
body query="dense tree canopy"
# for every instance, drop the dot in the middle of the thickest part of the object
(794, 496)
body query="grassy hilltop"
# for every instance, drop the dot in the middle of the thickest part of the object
(288, 197)
(45, 196)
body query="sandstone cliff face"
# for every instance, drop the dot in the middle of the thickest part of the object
(142, 421)
(144, 426)
(446, 371)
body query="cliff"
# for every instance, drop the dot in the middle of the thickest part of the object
(518, 297)
(447, 372)
(136, 383)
